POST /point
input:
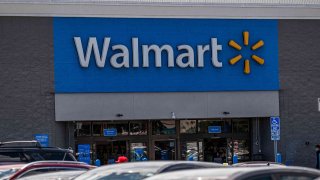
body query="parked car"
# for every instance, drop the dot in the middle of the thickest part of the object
(28, 151)
(141, 170)
(257, 164)
(61, 175)
(40, 167)
(243, 173)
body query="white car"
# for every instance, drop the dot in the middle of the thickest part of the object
(243, 173)
(141, 170)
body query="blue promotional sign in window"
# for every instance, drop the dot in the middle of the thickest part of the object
(164, 55)
(43, 139)
(214, 129)
(110, 132)
(84, 153)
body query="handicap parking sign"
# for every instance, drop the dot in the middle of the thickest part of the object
(275, 128)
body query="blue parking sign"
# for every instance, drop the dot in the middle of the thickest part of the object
(84, 153)
(43, 139)
(275, 128)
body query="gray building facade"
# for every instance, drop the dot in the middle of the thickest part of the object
(30, 105)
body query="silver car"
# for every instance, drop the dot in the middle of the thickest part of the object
(243, 173)
(141, 170)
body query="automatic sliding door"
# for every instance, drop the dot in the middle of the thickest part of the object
(165, 150)
(138, 152)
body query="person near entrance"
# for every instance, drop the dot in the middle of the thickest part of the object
(122, 159)
(318, 156)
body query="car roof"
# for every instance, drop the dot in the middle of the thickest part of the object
(47, 163)
(24, 149)
(152, 164)
(27, 145)
(257, 163)
(145, 166)
(50, 164)
(11, 166)
(228, 172)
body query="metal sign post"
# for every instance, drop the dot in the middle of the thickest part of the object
(275, 134)
(275, 147)
(319, 104)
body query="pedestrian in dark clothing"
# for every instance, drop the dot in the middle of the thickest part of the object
(318, 156)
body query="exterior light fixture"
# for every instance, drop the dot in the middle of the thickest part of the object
(119, 115)
(226, 113)
(173, 116)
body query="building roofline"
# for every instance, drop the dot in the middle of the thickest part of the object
(159, 9)
(234, 3)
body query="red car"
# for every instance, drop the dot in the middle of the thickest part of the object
(39, 167)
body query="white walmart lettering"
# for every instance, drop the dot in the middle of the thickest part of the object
(121, 55)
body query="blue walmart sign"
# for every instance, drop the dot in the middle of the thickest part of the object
(164, 55)
(110, 132)
(214, 129)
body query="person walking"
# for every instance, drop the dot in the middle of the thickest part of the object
(318, 156)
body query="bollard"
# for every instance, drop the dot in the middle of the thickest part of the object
(97, 162)
(278, 158)
(235, 159)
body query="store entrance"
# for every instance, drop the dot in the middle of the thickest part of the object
(108, 152)
(215, 150)
(165, 150)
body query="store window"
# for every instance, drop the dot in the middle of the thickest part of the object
(83, 128)
(139, 152)
(160, 127)
(188, 126)
(241, 126)
(204, 124)
(97, 129)
(139, 128)
(190, 151)
(122, 127)
(241, 148)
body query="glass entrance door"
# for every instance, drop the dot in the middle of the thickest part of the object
(191, 151)
(165, 150)
(138, 152)
(109, 152)
(215, 150)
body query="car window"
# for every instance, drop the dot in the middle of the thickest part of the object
(52, 155)
(34, 156)
(261, 177)
(296, 177)
(69, 157)
(13, 157)
(177, 167)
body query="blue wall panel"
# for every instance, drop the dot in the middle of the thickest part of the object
(71, 77)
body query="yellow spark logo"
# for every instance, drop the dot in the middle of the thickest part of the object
(237, 58)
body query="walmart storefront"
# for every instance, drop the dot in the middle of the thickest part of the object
(166, 89)
(159, 80)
